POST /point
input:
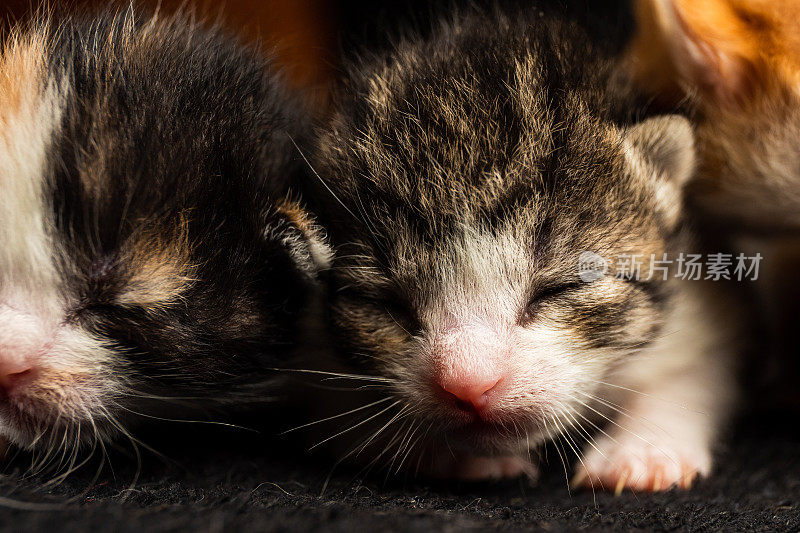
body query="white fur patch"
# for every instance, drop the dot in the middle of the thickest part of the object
(30, 113)
(71, 377)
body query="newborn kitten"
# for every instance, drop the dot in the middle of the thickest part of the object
(148, 264)
(738, 61)
(465, 176)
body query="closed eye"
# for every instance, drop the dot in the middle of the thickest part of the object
(403, 315)
(554, 291)
(545, 294)
(392, 304)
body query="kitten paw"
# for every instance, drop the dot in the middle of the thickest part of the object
(630, 463)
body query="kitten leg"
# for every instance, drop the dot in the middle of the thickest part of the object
(658, 447)
(663, 433)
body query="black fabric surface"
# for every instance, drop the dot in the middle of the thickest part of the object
(239, 482)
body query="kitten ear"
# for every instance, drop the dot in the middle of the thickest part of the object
(304, 240)
(661, 151)
(703, 43)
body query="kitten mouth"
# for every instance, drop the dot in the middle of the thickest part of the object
(34, 423)
(485, 428)
(488, 436)
(35, 415)
(19, 423)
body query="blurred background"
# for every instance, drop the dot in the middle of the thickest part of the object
(309, 38)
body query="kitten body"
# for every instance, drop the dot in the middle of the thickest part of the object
(149, 263)
(470, 171)
(737, 66)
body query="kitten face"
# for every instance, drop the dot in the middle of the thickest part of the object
(468, 185)
(142, 253)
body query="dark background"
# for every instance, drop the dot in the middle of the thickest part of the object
(310, 37)
(209, 479)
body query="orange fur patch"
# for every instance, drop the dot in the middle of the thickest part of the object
(21, 67)
(319, 254)
(761, 38)
(297, 216)
(160, 269)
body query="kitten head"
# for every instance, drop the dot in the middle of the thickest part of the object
(143, 256)
(469, 174)
(739, 63)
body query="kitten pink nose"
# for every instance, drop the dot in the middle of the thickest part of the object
(471, 392)
(21, 340)
(468, 363)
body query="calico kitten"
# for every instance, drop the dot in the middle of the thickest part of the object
(149, 263)
(465, 175)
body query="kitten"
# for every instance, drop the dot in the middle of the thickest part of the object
(738, 62)
(149, 262)
(736, 66)
(465, 174)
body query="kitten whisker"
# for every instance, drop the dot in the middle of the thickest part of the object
(373, 404)
(397, 402)
(336, 374)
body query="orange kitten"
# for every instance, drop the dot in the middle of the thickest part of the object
(738, 61)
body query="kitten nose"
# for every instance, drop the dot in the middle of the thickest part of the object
(21, 340)
(468, 362)
(471, 392)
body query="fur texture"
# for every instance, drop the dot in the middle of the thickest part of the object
(735, 67)
(149, 261)
(737, 63)
(464, 174)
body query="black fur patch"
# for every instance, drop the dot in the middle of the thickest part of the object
(175, 140)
